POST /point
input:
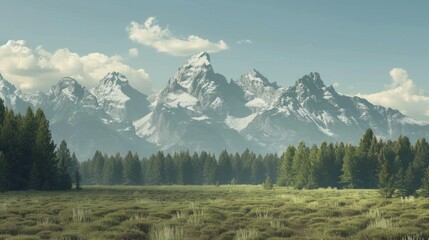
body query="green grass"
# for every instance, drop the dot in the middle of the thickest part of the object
(209, 212)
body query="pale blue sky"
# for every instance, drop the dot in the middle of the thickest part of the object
(354, 43)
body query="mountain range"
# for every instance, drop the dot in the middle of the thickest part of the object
(200, 109)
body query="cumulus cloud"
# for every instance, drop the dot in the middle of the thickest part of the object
(402, 94)
(38, 69)
(153, 35)
(133, 52)
(248, 41)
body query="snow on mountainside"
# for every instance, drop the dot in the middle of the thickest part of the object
(258, 91)
(190, 111)
(118, 99)
(11, 96)
(200, 110)
(313, 112)
(76, 115)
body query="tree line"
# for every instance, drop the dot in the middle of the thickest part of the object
(179, 168)
(29, 159)
(395, 167)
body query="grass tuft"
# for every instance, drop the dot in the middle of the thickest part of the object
(381, 223)
(246, 234)
(82, 214)
(166, 232)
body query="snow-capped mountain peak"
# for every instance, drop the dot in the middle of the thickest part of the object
(311, 80)
(258, 91)
(195, 69)
(5, 85)
(119, 99)
(67, 88)
(114, 78)
(256, 79)
(8, 93)
(201, 59)
(200, 110)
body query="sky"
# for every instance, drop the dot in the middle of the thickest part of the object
(373, 49)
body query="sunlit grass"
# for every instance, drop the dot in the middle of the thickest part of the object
(209, 212)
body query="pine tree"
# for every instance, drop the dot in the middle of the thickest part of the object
(425, 183)
(210, 171)
(77, 178)
(35, 182)
(3, 180)
(372, 166)
(45, 152)
(184, 167)
(64, 161)
(126, 172)
(156, 174)
(75, 166)
(386, 175)
(270, 163)
(108, 171)
(117, 170)
(27, 134)
(225, 168)
(132, 169)
(237, 167)
(248, 161)
(409, 179)
(12, 151)
(197, 166)
(285, 172)
(301, 166)
(404, 153)
(87, 175)
(340, 151)
(267, 184)
(350, 167)
(27, 157)
(421, 161)
(364, 176)
(98, 162)
(257, 170)
(310, 167)
(170, 170)
(2, 111)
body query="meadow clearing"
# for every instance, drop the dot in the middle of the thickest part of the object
(210, 212)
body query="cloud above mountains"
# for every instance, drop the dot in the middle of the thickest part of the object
(39, 69)
(402, 94)
(162, 39)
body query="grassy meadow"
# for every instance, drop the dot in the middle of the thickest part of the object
(210, 212)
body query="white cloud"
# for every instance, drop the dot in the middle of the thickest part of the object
(399, 76)
(402, 94)
(152, 35)
(133, 52)
(336, 84)
(38, 69)
(248, 41)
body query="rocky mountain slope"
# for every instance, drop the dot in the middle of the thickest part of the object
(200, 110)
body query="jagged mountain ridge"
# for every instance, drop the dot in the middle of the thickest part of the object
(76, 115)
(200, 110)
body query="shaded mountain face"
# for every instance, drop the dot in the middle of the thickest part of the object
(87, 121)
(189, 112)
(119, 100)
(11, 96)
(200, 110)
